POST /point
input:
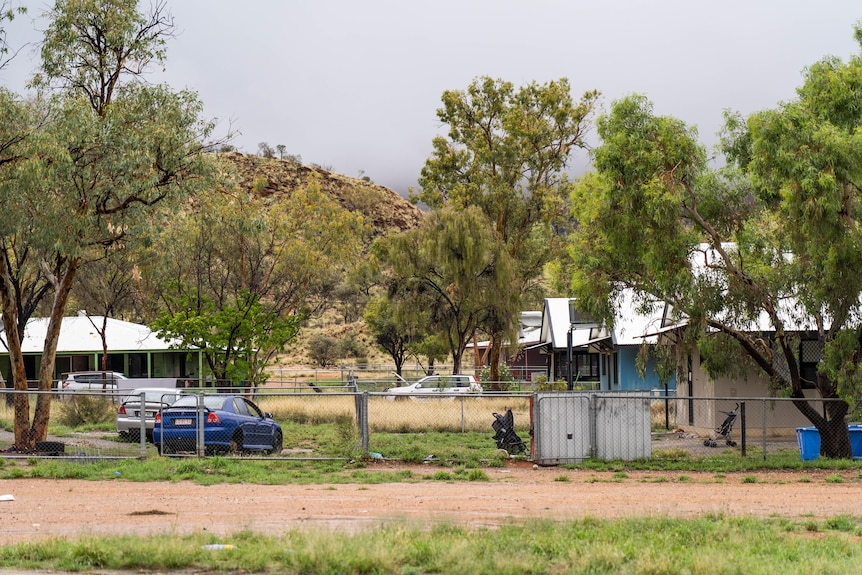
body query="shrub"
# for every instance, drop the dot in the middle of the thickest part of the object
(542, 384)
(506, 378)
(347, 435)
(351, 346)
(323, 349)
(85, 410)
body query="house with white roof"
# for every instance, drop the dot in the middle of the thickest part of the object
(133, 349)
(524, 360)
(602, 357)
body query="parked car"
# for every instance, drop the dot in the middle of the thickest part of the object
(90, 381)
(438, 384)
(231, 424)
(129, 411)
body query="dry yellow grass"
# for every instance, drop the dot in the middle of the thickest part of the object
(404, 415)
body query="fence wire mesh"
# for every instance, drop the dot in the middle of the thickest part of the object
(556, 427)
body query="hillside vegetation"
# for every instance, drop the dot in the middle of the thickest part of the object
(384, 208)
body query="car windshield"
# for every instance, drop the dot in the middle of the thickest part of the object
(210, 401)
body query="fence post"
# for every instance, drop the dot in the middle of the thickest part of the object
(591, 410)
(361, 400)
(763, 424)
(199, 435)
(666, 408)
(142, 428)
(742, 424)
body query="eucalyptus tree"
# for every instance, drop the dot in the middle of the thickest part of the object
(506, 152)
(393, 338)
(106, 288)
(8, 10)
(112, 150)
(775, 235)
(455, 264)
(236, 270)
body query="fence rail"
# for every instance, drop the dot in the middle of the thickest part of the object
(342, 423)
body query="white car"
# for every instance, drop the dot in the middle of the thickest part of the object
(90, 381)
(129, 411)
(438, 384)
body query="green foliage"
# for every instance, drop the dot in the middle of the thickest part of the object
(770, 238)
(129, 42)
(350, 345)
(390, 335)
(347, 434)
(265, 150)
(97, 154)
(7, 13)
(506, 378)
(712, 544)
(235, 271)
(457, 268)
(324, 350)
(81, 410)
(543, 384)
(237, 339)
(506, 153)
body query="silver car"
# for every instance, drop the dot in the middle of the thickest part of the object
(129, 412)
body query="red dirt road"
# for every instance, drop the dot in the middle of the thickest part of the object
(71, 508)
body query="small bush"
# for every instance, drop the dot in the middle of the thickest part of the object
(86, 410)
(477, 475)
(324, 350)
(506, 378)
(347, 434)
(542, 384)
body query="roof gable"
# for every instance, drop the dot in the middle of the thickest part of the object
(631, 325)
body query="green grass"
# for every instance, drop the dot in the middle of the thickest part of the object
(329, 453)
(639, 546)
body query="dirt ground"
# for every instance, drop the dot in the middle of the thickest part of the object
(71, 508)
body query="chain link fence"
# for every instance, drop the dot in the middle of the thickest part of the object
(557, 427)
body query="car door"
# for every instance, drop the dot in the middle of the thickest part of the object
(253, 428)
(429, 384)
(263, 425)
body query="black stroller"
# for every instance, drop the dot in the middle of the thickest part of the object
(505, 436)
(725, 429)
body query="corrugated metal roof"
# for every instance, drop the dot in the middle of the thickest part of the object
(631, 325)
(77, 334)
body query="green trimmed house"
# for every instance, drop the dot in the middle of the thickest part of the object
(133, 349)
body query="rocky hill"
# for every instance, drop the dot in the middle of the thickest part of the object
(383, 207)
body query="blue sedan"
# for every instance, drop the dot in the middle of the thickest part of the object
(231, 424)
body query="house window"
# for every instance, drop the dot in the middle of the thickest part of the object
(810, 353)
(585, 366)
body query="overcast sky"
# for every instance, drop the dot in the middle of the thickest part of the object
(354, 85)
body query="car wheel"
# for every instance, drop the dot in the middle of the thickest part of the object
(277, 443)
(133, 435)
(236, 443)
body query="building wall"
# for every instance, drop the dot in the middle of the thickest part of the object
(780, 417)
(155, 364)
(630, 379)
